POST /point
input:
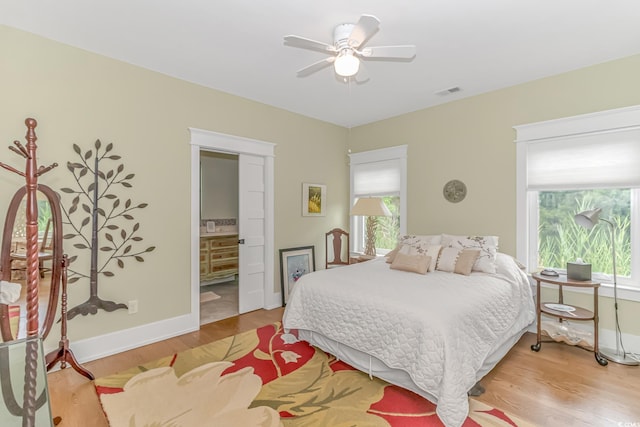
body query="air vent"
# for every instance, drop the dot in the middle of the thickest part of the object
(448, 91)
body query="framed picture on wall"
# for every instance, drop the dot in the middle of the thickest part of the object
(295, 263)
(314, 199)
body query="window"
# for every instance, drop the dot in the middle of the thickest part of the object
(561, 240)
(570, 165)
(380, 173)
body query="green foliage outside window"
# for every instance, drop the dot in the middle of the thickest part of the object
(561, 240)
(44, 215)
(388, 229)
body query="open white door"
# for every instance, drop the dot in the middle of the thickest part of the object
(256, 227)
(251, 232)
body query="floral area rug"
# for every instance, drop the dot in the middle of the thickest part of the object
(265, 377)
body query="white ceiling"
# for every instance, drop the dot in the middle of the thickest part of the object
(236, 46)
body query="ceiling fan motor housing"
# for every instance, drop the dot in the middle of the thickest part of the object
(341, 36)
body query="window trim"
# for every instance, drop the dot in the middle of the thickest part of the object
(383, 154)
(602, 122)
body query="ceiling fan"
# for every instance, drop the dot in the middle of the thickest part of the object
(348, 49)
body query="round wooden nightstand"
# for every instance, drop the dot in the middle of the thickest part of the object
(572, 312)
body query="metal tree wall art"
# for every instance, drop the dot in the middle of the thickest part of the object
(96, 212)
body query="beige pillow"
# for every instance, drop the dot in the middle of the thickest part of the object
(456, 260)
(412, 263)
(466, 260)
(392, 255)
(432, 251)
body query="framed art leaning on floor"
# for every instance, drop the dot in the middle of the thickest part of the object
(295, 263)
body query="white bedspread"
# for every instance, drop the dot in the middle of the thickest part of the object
(437, 327)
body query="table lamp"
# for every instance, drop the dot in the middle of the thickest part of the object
(372, 208)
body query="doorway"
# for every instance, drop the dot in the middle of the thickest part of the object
(218, 236)
(255, 218)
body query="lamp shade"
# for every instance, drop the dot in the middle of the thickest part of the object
(588, 219)
(370, 206)
(346, 65)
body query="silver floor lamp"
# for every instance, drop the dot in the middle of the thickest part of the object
(588, 219)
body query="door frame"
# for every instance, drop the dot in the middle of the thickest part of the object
(231, 144)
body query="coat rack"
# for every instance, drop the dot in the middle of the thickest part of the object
(33, 328)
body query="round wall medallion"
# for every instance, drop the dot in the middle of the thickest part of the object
(454, 191)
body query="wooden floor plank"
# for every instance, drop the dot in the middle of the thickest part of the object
(558, 386)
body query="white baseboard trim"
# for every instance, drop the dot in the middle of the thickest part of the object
(607, 339)
(273, 300)
(116, 342)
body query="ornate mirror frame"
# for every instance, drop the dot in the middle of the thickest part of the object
(56, 270)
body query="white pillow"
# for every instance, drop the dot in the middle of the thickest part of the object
(447, 259)
(488, 246)
(420, 241)
(432, 251)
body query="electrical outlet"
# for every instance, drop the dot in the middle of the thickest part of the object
(133, 306)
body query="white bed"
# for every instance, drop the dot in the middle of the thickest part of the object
(436, 334)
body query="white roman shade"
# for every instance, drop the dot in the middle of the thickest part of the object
(377, 178)
(596, 150)
(602, 160)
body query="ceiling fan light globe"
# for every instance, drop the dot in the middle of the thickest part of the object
(346, 65)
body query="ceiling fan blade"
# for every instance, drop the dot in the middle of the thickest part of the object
(316, 66)
(402, 52)
(363, 30)
(297, 41)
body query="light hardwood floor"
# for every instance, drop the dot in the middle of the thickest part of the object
(558, 386)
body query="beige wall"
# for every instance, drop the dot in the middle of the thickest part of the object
(472, 140)
(78, 97)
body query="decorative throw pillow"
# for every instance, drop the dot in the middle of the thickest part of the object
(456, 260)
(411, 263)
(392, 255)
(447, 259)
(434, 253)
(407, 250)
(420, 241)
(465, 261)
(488, 246)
